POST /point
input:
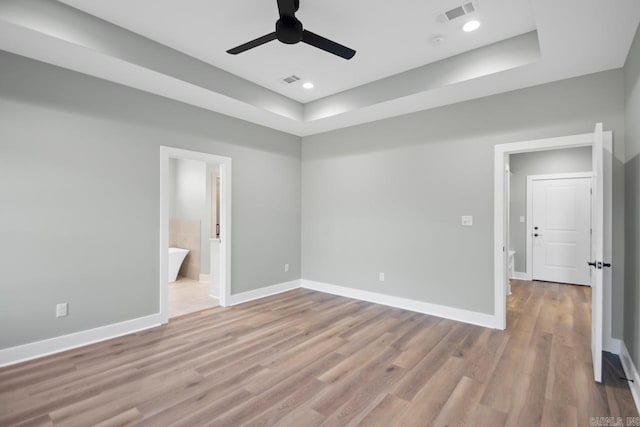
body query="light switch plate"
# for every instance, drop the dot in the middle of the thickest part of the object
(381, 277)
(467, 221)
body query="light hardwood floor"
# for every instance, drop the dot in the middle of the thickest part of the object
(304, 358)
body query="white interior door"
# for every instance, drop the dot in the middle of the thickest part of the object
(597, 252)
(561, 223)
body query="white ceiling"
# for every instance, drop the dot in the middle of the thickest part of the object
(389, 36)
(573, 38)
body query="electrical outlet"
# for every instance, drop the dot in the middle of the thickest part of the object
(286, 267)
(522, 219)
(381, 277)
(467, 221)
(62, 309)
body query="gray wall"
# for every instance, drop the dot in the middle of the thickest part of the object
(79, 190)
(632, 191)
(388, 196)
(538, 163)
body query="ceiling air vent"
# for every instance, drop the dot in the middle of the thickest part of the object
(457, 12)
(291, 79)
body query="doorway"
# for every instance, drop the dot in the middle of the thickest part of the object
(559, 228)
(601, 214)
(206, 234)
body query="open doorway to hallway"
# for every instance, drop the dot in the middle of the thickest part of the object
(550, 215)
(558, 220)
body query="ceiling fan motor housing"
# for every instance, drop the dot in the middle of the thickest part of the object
(289, 30)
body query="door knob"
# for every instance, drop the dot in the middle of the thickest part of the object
(592, 264)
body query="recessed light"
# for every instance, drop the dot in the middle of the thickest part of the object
(471, 26)
(308, 85)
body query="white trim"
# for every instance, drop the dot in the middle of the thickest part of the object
(500, 244)
(22, 353)
(529, 223)
(243, 297)
(518, 275)
(612, 345)
(460, 315)
(631, 372)
(573, 175)
(205, 278)
(225, 221)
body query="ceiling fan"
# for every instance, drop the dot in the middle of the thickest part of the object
(289, 30)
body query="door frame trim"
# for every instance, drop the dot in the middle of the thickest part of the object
(501, 152)
(167, 153)
(529, 224)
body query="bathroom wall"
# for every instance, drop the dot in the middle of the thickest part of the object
(188, 213)
(185, 234)
(538, 163)
(190, 182)
(208, 228)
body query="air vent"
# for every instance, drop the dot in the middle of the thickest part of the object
(291, 79)
(457, 12)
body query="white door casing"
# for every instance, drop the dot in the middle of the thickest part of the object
(225, 222)
(560, 223)
(597, 252)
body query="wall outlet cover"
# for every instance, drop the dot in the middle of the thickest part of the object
(286, 267)
(522, 219)
(467, 221)
(62, 309)
(381, 277)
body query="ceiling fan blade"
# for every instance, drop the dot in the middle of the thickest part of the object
(288, 7)
(253, 43)
(325, 44)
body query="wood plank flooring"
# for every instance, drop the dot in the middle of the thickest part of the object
(307, 359)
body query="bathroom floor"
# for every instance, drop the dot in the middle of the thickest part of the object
(187, 296)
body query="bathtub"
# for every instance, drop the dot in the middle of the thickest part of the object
(176, 257)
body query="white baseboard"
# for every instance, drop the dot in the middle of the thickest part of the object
(22, 353)
(612, 345)
(475, 318)
(263, 292)
(205, 278)
(631, 372)
(517, 275)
